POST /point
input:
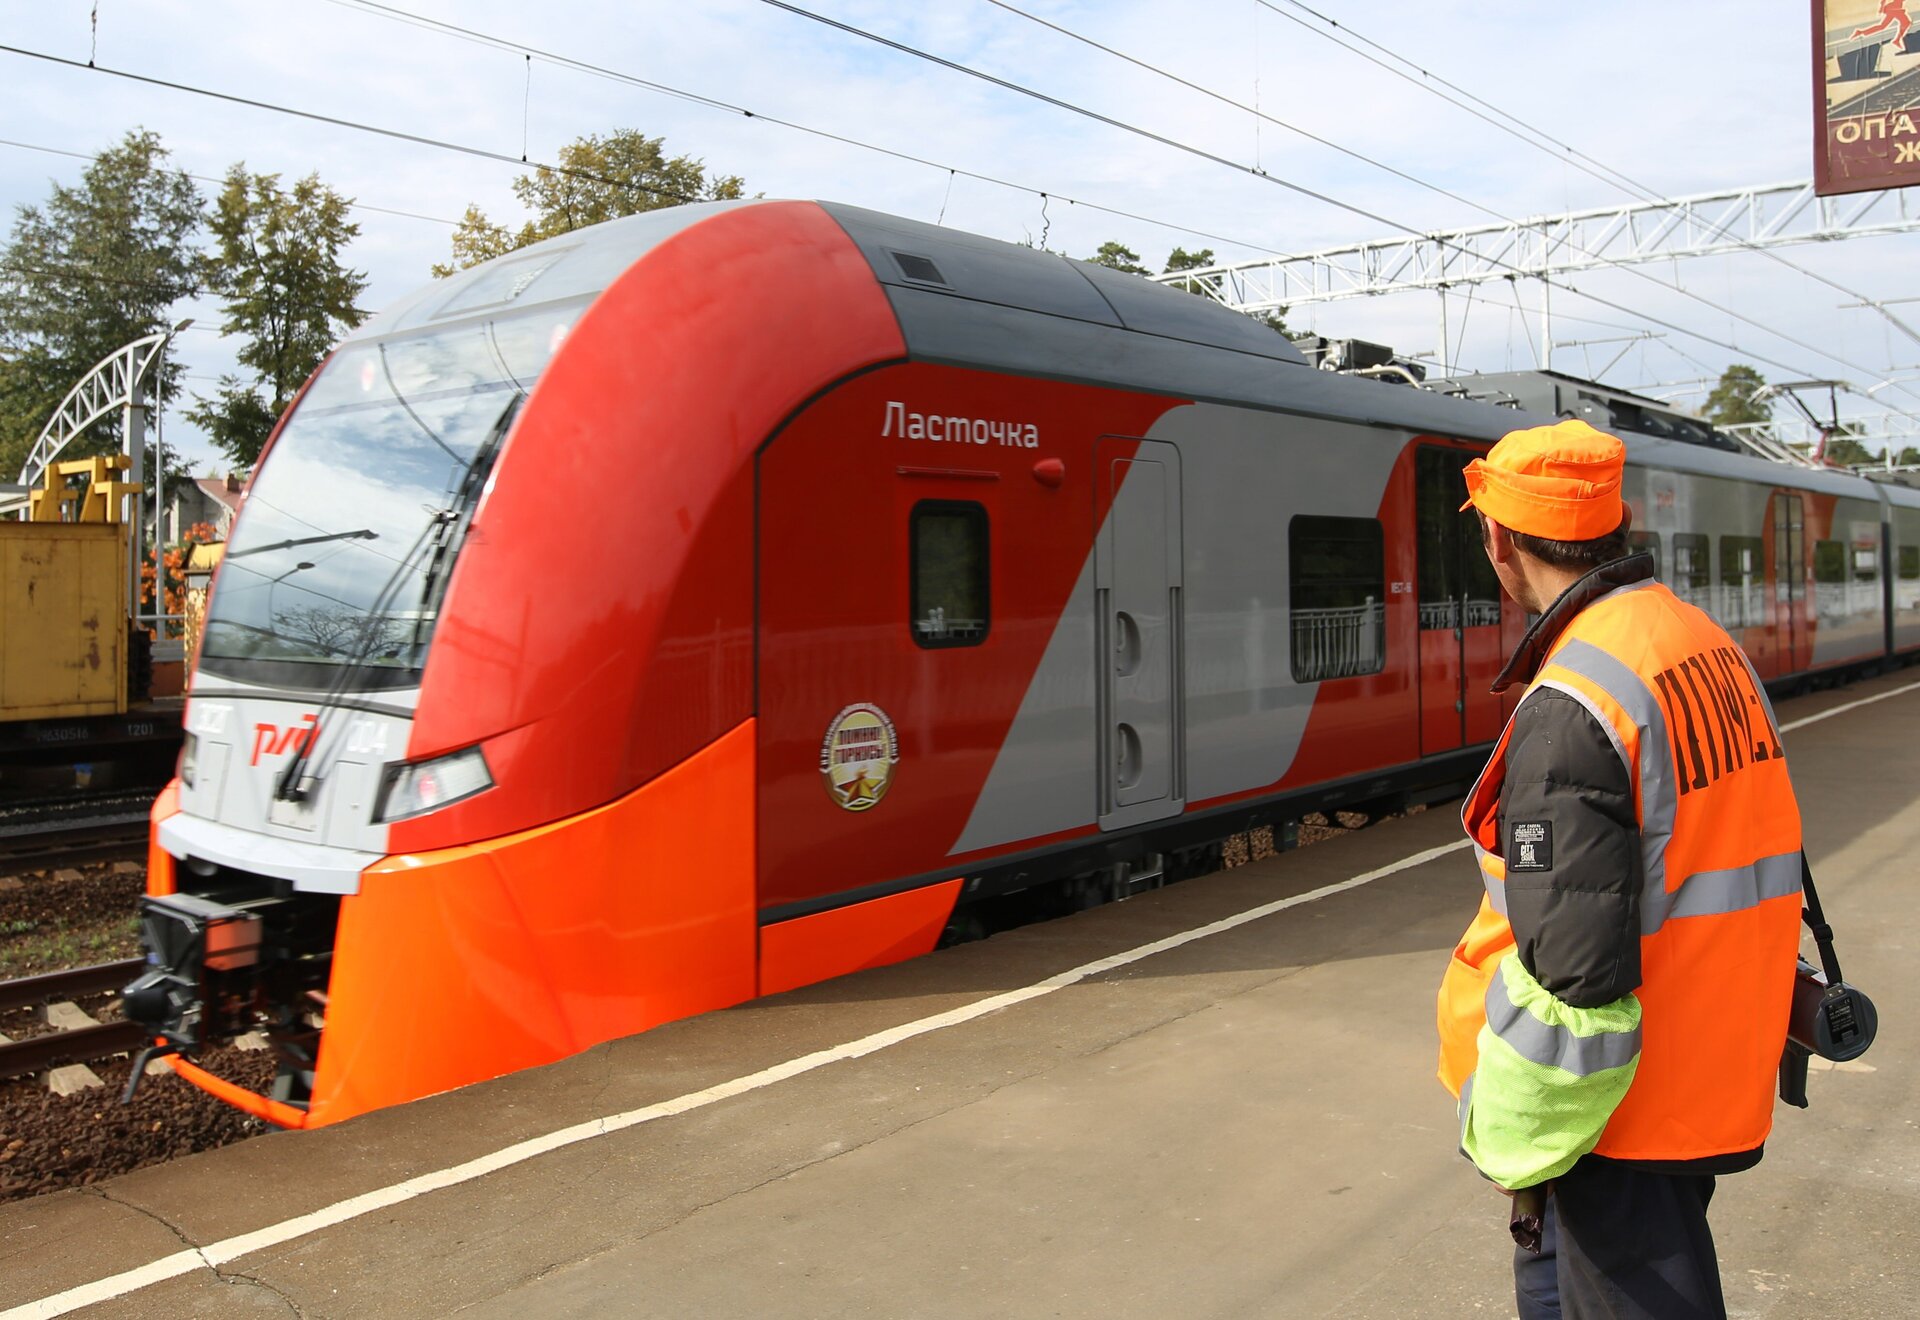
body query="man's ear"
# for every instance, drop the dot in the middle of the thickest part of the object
(1498, 540)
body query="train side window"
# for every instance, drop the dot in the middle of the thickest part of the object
(1909, 567)
(1647, 543)
(1338, 597)
(1829, 562)
(950, 573)
(1692, 571)
(1743, 582)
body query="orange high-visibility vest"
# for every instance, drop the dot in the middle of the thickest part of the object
(1720, 910)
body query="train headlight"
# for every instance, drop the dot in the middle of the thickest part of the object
(189, 754)
(416, 787)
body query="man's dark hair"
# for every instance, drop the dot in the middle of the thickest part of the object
(1574, 554)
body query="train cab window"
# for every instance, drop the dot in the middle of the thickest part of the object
(1646, 543)
(1338, 596)
(1743, 585)
(949, 570)
(1692, 572)
(1829, 562)
(1909, 566)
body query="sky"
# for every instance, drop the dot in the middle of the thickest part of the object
(1683, 99)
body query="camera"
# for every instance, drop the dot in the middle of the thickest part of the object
(1835, 1021)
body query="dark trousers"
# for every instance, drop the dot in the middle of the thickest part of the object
(1622, 1244)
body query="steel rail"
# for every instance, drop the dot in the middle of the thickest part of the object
(50, 987)
(99, 839)
(22, 1058)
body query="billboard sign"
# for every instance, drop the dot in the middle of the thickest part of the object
(1866, 97)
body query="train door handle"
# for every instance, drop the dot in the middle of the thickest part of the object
(1126, 644)
(1128, 755)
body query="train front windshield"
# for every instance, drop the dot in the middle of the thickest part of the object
(334, 577)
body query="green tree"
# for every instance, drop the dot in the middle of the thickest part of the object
(1908, 457)
(1843, 450)
(1732, 402)
(87, 271)
(598, 178)
(1118, 256)
(1274, 321)
(1180, 259)
(276, 266)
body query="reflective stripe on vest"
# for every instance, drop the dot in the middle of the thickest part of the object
(1554, 1046)
(1730, 889)
(1548, 1080)
(1653, 775)
(1719, 909)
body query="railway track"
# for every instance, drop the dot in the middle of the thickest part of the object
(54, 1049)
(49, 833)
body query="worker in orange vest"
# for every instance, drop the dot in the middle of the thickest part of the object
(1612, 1021)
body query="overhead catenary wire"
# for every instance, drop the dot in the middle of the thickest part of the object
(1509, 124)
(1302, 189)
(1540, 140)
(507, 45)
(1675, 286)
(505, 158)
(952, 170)
(352, 203)
(1259, 115)
(476, 37)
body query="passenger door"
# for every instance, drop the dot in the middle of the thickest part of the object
(1793, 647)
(1459, 605)
(1137, 589)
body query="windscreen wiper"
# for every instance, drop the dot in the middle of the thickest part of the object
(361, 534)
(452, 532)
(444, 531)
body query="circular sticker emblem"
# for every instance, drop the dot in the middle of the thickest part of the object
(858, 755)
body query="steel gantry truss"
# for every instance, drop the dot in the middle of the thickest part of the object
(1889, 431)
(114, 384)
(1746, 218)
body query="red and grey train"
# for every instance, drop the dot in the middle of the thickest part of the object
(730, 597)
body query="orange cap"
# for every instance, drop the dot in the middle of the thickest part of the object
(1561, 482)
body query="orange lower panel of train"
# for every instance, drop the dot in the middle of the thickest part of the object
(467, 963)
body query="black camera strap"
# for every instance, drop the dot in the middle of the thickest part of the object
(1816, 921)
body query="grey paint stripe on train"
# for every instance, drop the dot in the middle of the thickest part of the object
(1554, 1046)
(1043, 778)
(1659, 795)
(1244, 475)
(1712, 893)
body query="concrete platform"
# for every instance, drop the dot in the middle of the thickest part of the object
(1239, 1123)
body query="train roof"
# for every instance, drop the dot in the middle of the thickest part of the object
(969, 301)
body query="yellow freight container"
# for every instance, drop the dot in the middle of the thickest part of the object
(63, 619)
